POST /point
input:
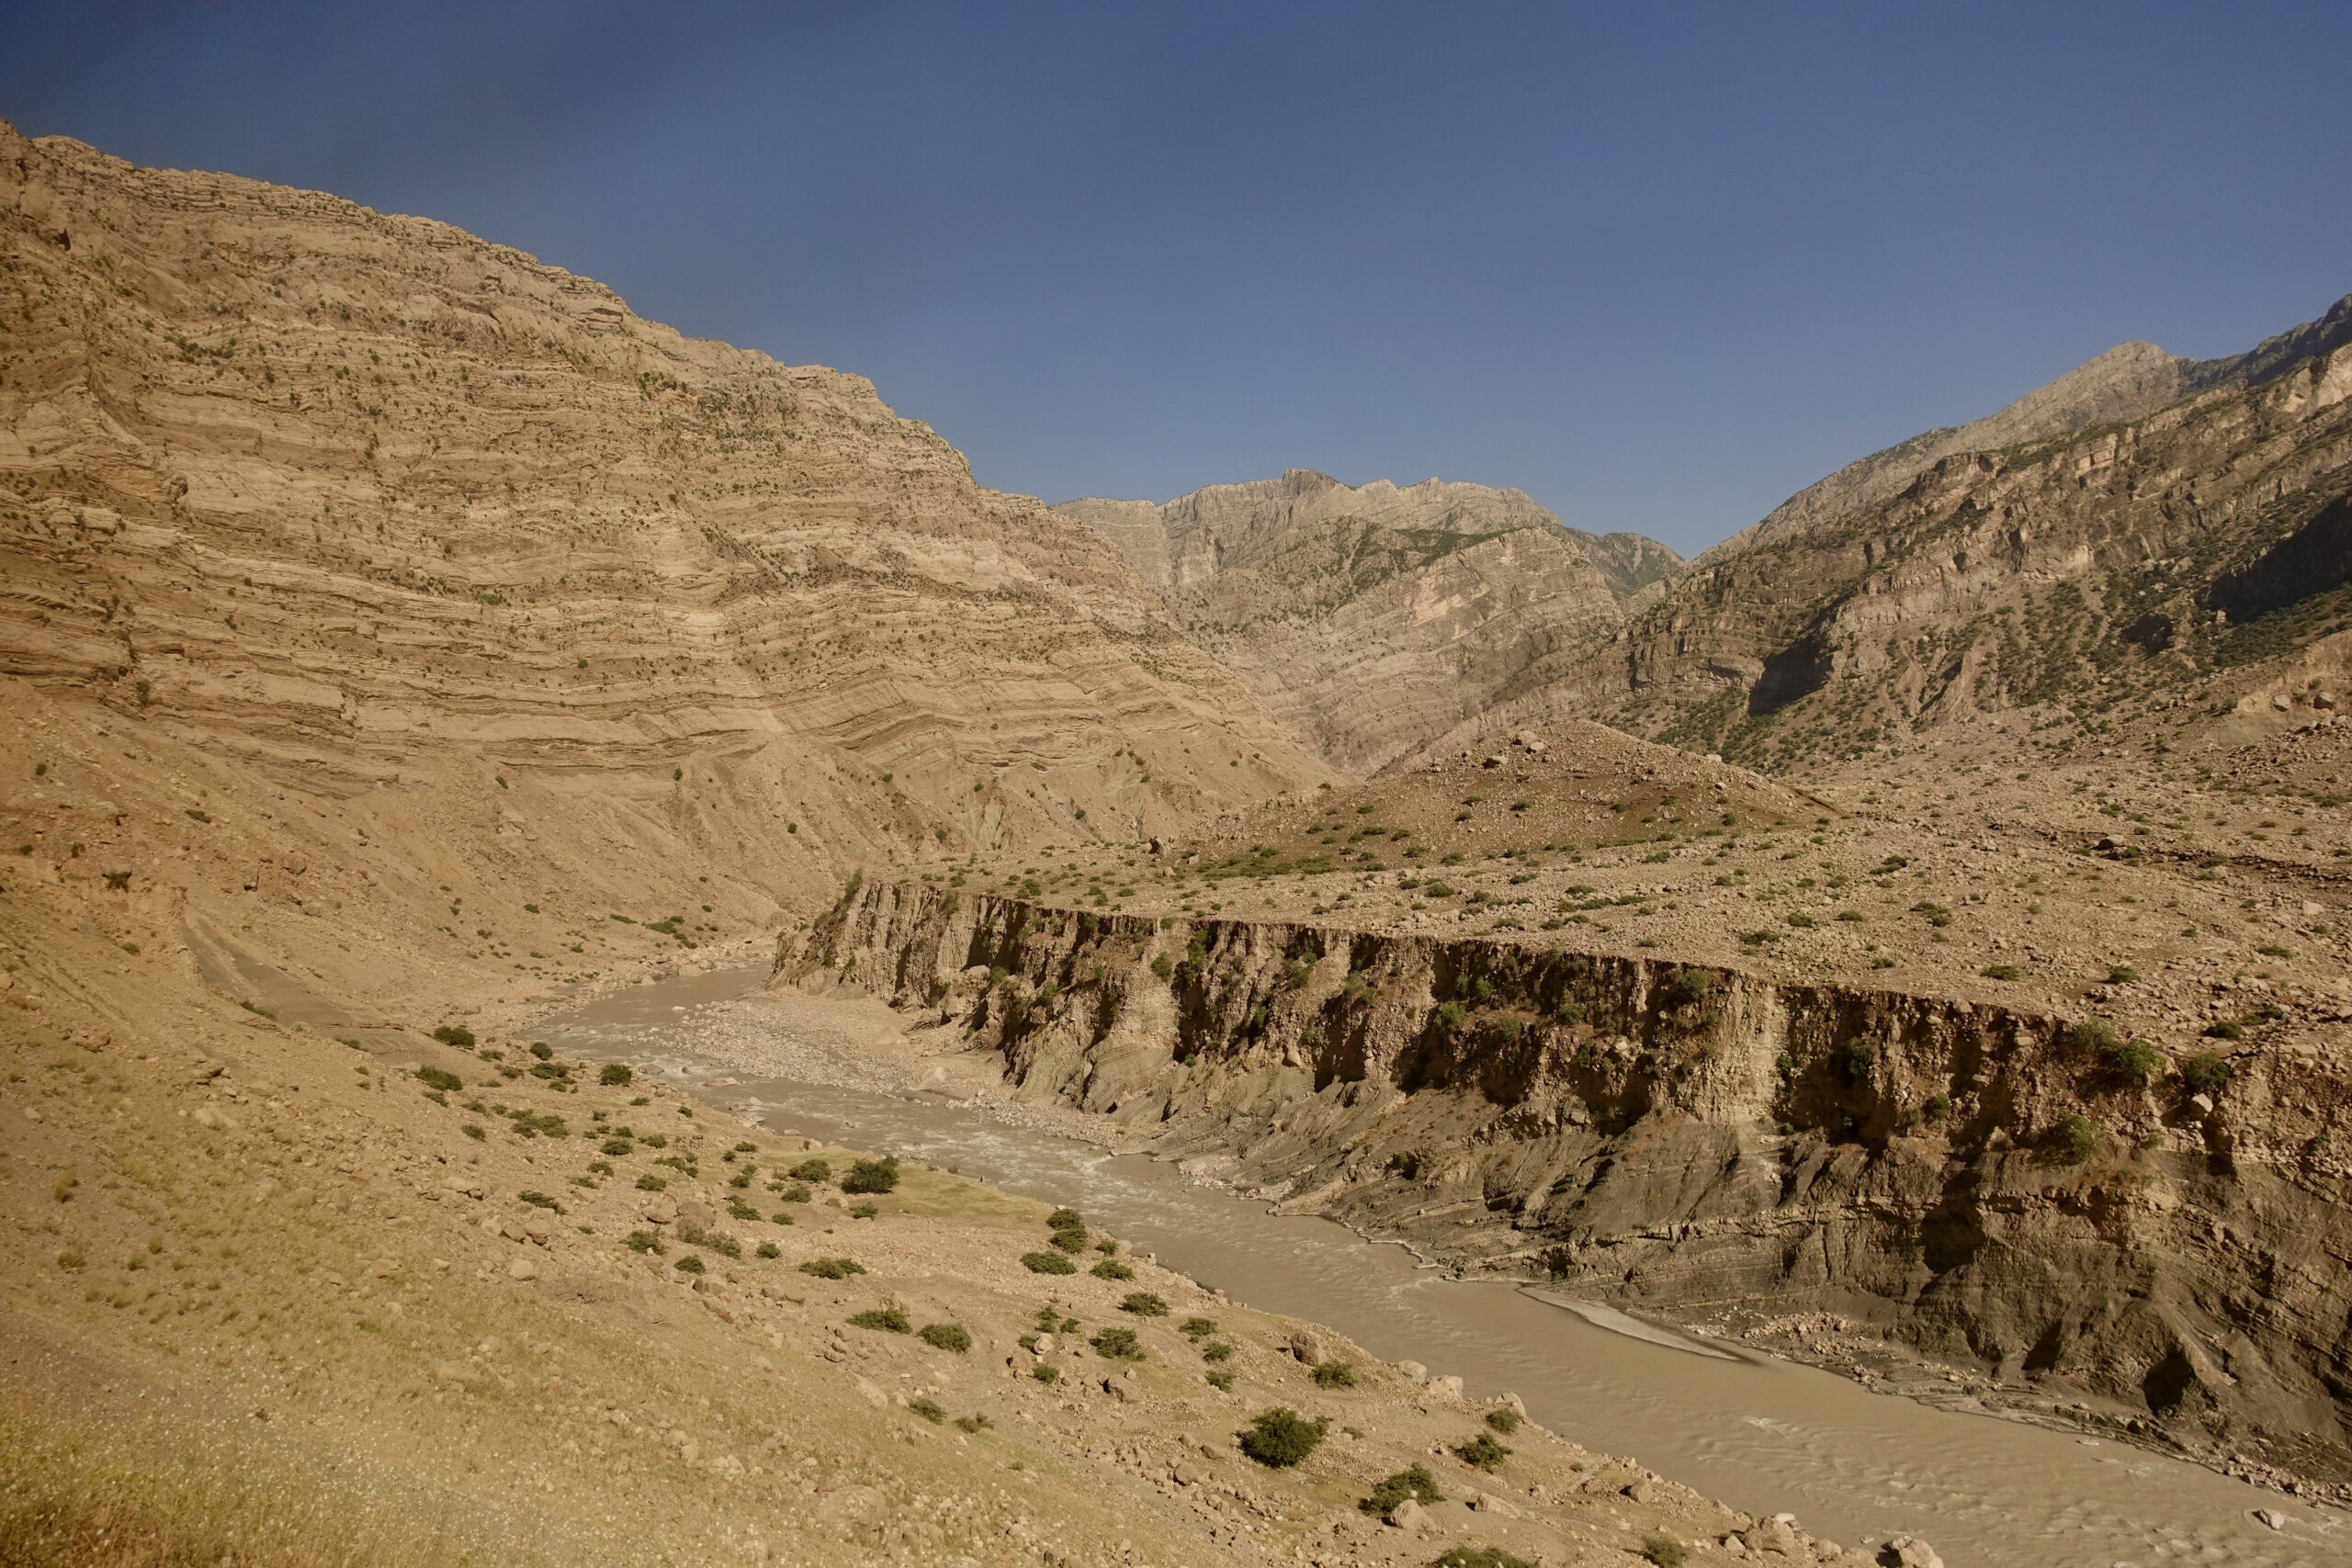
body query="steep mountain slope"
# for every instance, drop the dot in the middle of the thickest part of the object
(2128, 382)
(2187, 558)
(1370, 618)
(369, 504)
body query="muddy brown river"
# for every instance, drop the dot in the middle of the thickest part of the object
(1758, 1433)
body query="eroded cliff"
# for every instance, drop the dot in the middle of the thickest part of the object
(1977, 1183)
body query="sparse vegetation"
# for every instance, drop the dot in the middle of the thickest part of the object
(1415, 1484)
(1282, 1437)
(1482, 1452)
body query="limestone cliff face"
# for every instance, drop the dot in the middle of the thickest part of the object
(1692, 1138)
(2063, 577)
(1371, 618)
(375, 504)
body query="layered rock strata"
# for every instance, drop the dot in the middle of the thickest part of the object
(1963, 1179)
(375, 504)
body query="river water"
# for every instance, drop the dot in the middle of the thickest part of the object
(1758, 1433)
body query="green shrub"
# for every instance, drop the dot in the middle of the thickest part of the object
(689, 1264)
(1045, 1373)
(2000, 972)
(1503, 1419)
(811, 1171)
(2076, 1138)
(768, 1249)
(1282, 1437)
(2093, 1037)
(649, 1183)
(832, 1267)
(1478, 1557)
(889, 1320)
(1065, 1220)
(1482, 1452)
(1107, 1269)
(1118, 1345)
(928, 1409)
(1197, 1327)
(1143, 1303)
(873, 1175)
(946, 1336)
(1665, 1550)
(1221, 1381)
(2122, 974)
(2227, 1029)
(739, 1210)
(2205, 1073)
(455, 1034)
(440, 1078)
(1334, 1374)
(1215, 1350)
(1855, 1059)
(1449, 1017)
(1689, 987)
(643, 1241)
(540, 1201)
(975, 1423)
(694, 1236)
(1163, 965)
(616, 1074)
(1415, 1485)
(1068, 1240)
(543, 1050)
(1048, 1263)
(2137, 1060)
(617, 1146)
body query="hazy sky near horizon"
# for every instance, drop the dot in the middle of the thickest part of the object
(1658, 265)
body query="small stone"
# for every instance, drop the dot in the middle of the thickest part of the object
(523, 1267)
(1445, 1387)
(2270, 1519)
(1776, 1535)
(1413, 1369)
(1409, 1516)
(872, 1393)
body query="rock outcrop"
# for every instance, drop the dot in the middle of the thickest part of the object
(1692, 1138)
(1371, 618)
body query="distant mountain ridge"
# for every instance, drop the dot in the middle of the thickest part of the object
(2128, 382)
(1373, 617)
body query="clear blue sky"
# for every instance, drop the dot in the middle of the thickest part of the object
(1657, 264)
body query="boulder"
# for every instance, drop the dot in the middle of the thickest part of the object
(1775, 1537)
(523, 1267)
(702, 1217)
(861, 1510)
(1908, 1552)
(661, 1209)
(1409, 1516)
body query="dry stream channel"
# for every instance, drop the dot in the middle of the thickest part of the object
(1760, 1433)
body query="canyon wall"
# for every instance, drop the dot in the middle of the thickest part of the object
(1963, 1180)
